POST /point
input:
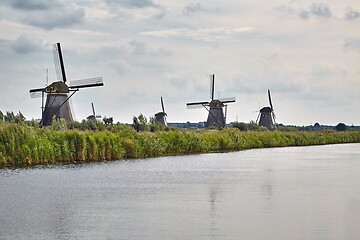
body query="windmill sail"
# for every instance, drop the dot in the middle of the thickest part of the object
(162, 105)
(59, 62)
(212, 86)
(85, 83)
(271, 106)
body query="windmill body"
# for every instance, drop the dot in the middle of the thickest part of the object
(216, 115)
(59, 92)
(53, 108)
(266, 119)
(215, 107)
(267, 116)
(160, 117)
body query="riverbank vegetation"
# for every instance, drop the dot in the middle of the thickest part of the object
(24, 144)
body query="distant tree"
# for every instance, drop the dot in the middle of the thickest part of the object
(108, 121)
(317, 125)
(140, 123)
(241, 126)
(1, 116)
(340, 127)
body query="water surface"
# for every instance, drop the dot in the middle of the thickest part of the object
(279, 193)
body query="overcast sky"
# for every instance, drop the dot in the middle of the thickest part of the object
(306, 52)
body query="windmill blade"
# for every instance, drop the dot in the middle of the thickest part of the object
(227, 100)
(59, 62)
(36, 90)
(226, 106)
(93, 108)
(162, 105)
(197, 105)
(271, 106)
(212, 86)
(89, 82)
(257, 119)
(37, 94)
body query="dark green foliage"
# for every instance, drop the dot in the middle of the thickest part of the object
(340, 127)
(140, 123)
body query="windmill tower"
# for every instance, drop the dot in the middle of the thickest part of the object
(94, 116)
(215, 107)
(58, 93)
(266, 115)
(160, 117)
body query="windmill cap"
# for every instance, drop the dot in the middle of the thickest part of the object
(266, 109)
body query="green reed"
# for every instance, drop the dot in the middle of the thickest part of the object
(22, 145)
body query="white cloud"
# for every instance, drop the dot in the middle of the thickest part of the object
(203, 34)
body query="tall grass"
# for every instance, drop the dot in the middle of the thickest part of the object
(21, 145)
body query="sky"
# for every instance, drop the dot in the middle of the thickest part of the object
(306, 52)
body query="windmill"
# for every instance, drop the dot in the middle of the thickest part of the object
(266, 115)
(215, 107)
(160, 117)
(94, 116)
(58, 93)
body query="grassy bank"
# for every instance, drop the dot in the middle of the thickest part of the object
(22, 145)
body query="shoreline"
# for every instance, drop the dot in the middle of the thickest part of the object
(23, 146)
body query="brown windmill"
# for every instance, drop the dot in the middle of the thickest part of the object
(215, 107)
(266, 115)
(58, 93)
(160, 117)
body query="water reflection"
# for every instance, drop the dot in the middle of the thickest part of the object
(288, 193)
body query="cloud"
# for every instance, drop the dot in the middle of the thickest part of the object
(202, 34)
(55, 18)
(288, 11)
(133, 3)
(351, 14)
(139, 48)
(32, 4)
(316, 9)
(26, 44)
(320, 10)
(191, 9)
(352, 44)
(46, 14)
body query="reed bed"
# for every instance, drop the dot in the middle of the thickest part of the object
(22, 145)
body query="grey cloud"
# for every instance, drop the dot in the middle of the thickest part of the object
(321, 10)
(192, 9)
(351, 14)
(26, 44)
(139, 48)
(56, 18)
(288, 11)
(315, 9)
(32, 4)
(352, 44)
(133, 3)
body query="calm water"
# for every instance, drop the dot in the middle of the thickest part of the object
(282, 193)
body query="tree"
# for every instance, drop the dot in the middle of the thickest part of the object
(140, 123)
(340, 127)
(241, 126)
